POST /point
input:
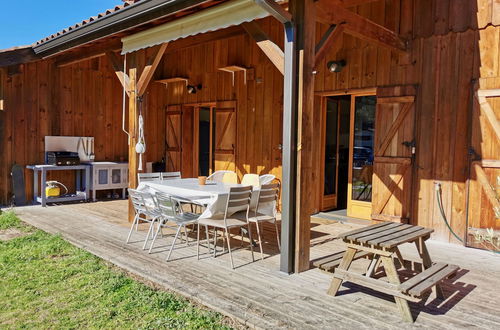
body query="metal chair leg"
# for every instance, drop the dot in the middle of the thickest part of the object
(186, 235)
(277, 234)
(250, 240)
(149, 231)
(132, 227)
(173, 243)
(154, 237)
(260, 240)
(198, 242)
(229, 247)
(208, 240)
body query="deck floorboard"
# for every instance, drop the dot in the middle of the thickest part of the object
(258, 295)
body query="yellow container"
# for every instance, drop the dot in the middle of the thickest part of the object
(52, 191)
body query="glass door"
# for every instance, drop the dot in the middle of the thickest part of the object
(361, 156)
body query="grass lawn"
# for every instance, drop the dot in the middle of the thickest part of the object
(45, 282)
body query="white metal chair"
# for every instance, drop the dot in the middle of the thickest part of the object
(266, 211)
(148, 177)
(251, 180)
(145, 210)
(266, 179)
(230, 177)
(218, 176)
(235, 216)
(171, 211)
(170, 175)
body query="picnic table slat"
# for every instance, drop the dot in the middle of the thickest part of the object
(331, 265)
(428, 283)
(420, 277)
(359, 230)
(406, 231)
(393, 232)
(372, 230)
(407, 238)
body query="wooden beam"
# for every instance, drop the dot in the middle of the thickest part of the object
(117, 65)
(132, 129)
(487, 187)
(86, 53)
(150, 69)
(488, 112)
(330, 43)
(269, 47)
(332, 12)
(353, 3)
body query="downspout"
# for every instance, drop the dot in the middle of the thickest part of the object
(290, 118)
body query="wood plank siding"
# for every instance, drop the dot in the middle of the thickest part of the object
(452, 45)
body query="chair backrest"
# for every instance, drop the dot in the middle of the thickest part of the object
(139, 201)
(266, 179)
(170, 175)
(251, 179)
(230, 177)
(238, 200)
(268, 196)
(167, 205)
(147, 177)
(218, 176)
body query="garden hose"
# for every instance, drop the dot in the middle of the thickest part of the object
(439, 199)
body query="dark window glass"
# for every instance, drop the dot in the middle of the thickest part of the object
(362, 163)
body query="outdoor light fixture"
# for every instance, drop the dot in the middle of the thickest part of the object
(193, 89)
(336, 66)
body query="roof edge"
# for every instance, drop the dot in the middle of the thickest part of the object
(128, 17)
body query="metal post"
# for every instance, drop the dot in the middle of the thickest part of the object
(289, 162)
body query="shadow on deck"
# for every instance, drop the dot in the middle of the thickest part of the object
(257, 294)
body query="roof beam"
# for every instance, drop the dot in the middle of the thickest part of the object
(332, 12)
(353, 3)
(330, 43)
(118, 66)
(269, 47)
(87, 53)
(150, 69)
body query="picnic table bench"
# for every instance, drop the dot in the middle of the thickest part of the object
(380, 244)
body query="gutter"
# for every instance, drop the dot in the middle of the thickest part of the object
(290, 120)
(121, 20)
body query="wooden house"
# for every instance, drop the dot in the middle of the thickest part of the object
(385, 108)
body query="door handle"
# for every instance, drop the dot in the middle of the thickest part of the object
(410, 144)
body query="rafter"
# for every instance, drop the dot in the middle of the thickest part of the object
(117, 65)
(268, 46)
(150, 69)
(353, 3)
(333, 12)
(330, 43)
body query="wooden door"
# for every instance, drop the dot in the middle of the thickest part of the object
(394, 154)
(484, 182)
(189, 157)
(225, 136)
(173, 138)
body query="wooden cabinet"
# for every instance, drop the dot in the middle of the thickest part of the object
(108, 175)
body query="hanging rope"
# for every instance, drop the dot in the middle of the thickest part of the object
(140, 147)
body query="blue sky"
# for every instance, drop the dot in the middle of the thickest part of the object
(23, 22)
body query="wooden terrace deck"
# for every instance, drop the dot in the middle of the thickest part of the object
(258, 295)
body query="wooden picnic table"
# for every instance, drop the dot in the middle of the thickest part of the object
(380, 243)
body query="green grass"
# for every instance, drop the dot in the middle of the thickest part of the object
(45, 282)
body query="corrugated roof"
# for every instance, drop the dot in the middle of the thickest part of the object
(126, 3)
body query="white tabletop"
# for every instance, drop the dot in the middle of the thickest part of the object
(213, 196)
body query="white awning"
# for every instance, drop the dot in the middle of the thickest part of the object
(233, 12)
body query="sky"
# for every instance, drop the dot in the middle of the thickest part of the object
(22, 22)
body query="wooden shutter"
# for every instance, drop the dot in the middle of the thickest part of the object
(173, 138)
(225, 136)
(484, 187)
(394, 153)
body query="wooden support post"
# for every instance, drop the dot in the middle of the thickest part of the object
(132, 129)
(303, 12)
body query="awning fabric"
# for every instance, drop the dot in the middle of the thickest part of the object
(233, 12)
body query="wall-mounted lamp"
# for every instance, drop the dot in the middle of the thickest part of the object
(193, 89)
(336, 66)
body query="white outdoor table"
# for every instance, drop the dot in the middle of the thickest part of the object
(213, 196)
